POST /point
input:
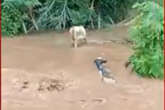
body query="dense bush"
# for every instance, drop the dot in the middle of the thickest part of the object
(16, 14)
(147, 36)
(34, 15)
(11, 19)
(61, 14)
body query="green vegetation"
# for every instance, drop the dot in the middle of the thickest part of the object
(17, 16)
(147, 36)
(11, 20)
(33, 15)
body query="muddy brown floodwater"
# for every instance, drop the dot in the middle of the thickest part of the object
(42, 72)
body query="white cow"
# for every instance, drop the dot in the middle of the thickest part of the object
(78, 33)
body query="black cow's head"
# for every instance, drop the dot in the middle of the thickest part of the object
(100, 60)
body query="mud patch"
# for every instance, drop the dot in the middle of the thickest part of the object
(51, 85)
(91, 102)
(37, 82)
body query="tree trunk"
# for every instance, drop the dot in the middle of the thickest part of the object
(92, 4)
(24, 27)
(99, 21)
(32, 18)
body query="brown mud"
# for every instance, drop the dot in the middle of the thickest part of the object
(43, 72)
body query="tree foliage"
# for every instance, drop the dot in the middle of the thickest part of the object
(15, 14)
(147, 35)
(61, 14)
(11, 19)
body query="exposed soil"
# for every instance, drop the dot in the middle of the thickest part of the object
(43, 72)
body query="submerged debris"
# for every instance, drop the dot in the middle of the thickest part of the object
(51, 85)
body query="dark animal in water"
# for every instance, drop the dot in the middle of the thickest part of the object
(106, 74)
(127, 64)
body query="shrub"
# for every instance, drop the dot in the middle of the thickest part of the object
(61, 14)
(29, 15)
(16, 14)
(11, 20)
(147, 36)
